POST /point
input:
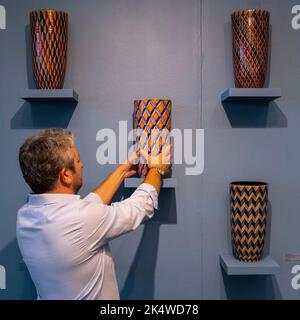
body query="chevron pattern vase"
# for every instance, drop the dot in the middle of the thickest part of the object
(248, 219)
(150, 114)
(250, 36)
(49, 34)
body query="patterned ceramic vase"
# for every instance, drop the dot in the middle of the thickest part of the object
(150, 114)
(248, 219)
(49, 34)
(250, 36)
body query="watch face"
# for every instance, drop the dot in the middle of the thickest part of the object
(160, 171)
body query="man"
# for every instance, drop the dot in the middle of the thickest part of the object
(64, 239)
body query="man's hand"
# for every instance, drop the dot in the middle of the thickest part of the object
(129, 167)
(110, 185)
(162, 161)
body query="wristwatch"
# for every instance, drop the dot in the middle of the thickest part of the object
(161, 172)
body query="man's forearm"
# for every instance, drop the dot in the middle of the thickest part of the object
(154, 178)
(107, 189)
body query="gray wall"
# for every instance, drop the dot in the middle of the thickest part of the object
(120, 50)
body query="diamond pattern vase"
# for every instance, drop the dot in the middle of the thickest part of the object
(248, 219)
(250, 37)
(150, 114)
(49, 34)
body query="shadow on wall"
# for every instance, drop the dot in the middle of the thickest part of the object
(18, 282)
(255, 115)
(167, 211)
(139, 284)
(42, 115)
(267, 245)
(256, 287)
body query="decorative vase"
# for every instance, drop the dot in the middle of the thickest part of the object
(150, 114)
(49, 34)
(250, 37)
(248, 219)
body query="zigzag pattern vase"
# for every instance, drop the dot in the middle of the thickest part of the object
(250, 37)
(49, 34)
(151, 114)
(248, 219)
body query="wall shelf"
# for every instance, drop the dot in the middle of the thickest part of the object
(50, 95)
(232, 266)
(135, 182)
(251, 94)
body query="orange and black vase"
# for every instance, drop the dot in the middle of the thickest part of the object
(49, 35)
(248, 219)
(250, 46)
(152, 121)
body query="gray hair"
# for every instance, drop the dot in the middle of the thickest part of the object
(43, 156)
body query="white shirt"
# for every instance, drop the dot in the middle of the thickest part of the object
(64, 241)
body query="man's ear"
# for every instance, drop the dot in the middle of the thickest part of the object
(66, 176)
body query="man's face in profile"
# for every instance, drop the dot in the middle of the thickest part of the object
(77, 174)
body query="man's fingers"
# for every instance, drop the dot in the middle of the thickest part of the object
(164, 157)
(167, 148)
(134, 157)
(144, 156)
(167, 154)
(130, 173)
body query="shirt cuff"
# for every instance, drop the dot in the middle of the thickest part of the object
(151, 191)
(93, 197)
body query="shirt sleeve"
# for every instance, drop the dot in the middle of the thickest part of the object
(102, 223)
(93, 197)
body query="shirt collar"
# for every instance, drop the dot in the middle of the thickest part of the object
(49, 198)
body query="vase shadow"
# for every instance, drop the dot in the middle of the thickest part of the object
(43, 115)
(140, 281)
(254, 115)
(19, 285)
(253, 287)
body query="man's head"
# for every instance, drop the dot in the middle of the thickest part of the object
(50, 162)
